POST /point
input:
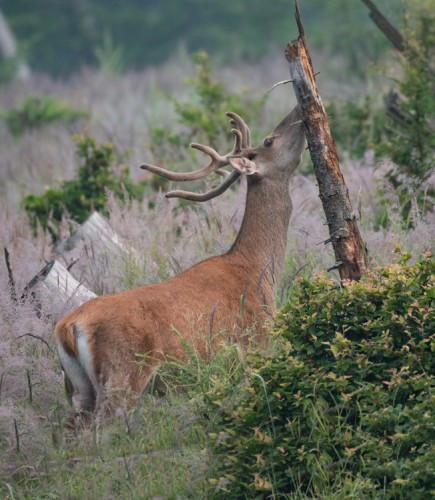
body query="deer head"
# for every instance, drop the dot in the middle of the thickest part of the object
(99, 342)
(276, 158)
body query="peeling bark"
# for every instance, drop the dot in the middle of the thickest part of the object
(349, 248)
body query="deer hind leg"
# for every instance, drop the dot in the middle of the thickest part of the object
(78, 375)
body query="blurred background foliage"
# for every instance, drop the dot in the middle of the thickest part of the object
(59, 36)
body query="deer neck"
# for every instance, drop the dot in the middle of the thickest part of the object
(262, 238)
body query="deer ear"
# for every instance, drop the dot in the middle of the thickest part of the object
(244, 166)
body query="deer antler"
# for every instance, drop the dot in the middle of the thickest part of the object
(216, 163)
(242, 142)
(241, 130)
(208, 195)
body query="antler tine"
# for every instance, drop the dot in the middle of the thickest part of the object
(223, 173)
(208, 195)
(217, 162)
(242, 141)
(237, 148)
(208, 150)
(241, 126)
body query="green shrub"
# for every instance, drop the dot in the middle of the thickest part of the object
(37, 111)
(88, 190)
(346, 397)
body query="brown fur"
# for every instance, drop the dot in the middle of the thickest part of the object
(224, 294)
(116, 324)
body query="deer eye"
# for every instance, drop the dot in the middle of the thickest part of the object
(268, 141)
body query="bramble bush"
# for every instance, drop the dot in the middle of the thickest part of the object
(78, 197)
(345, 398)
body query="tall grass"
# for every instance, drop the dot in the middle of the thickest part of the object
(165, 454)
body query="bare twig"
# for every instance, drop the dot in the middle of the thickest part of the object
(11, 280)
(335, 266)
(36, 337)
(17, 435)
(298, 20)
(70, 265)
(325, 242)
(283, 82)
(29, 384)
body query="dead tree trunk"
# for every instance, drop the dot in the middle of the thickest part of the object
(349, 248)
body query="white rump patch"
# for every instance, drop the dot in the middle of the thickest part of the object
(79, 370)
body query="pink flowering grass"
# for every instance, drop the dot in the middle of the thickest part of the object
(159, 242)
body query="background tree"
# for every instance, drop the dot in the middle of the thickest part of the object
(59, 37)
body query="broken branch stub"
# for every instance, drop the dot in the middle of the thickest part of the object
(386, 27)
(350, 251)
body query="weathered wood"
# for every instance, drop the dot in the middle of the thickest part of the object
(97, 232)
(350, 251)
(57, 282)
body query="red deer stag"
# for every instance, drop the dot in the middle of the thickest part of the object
(98, 343)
